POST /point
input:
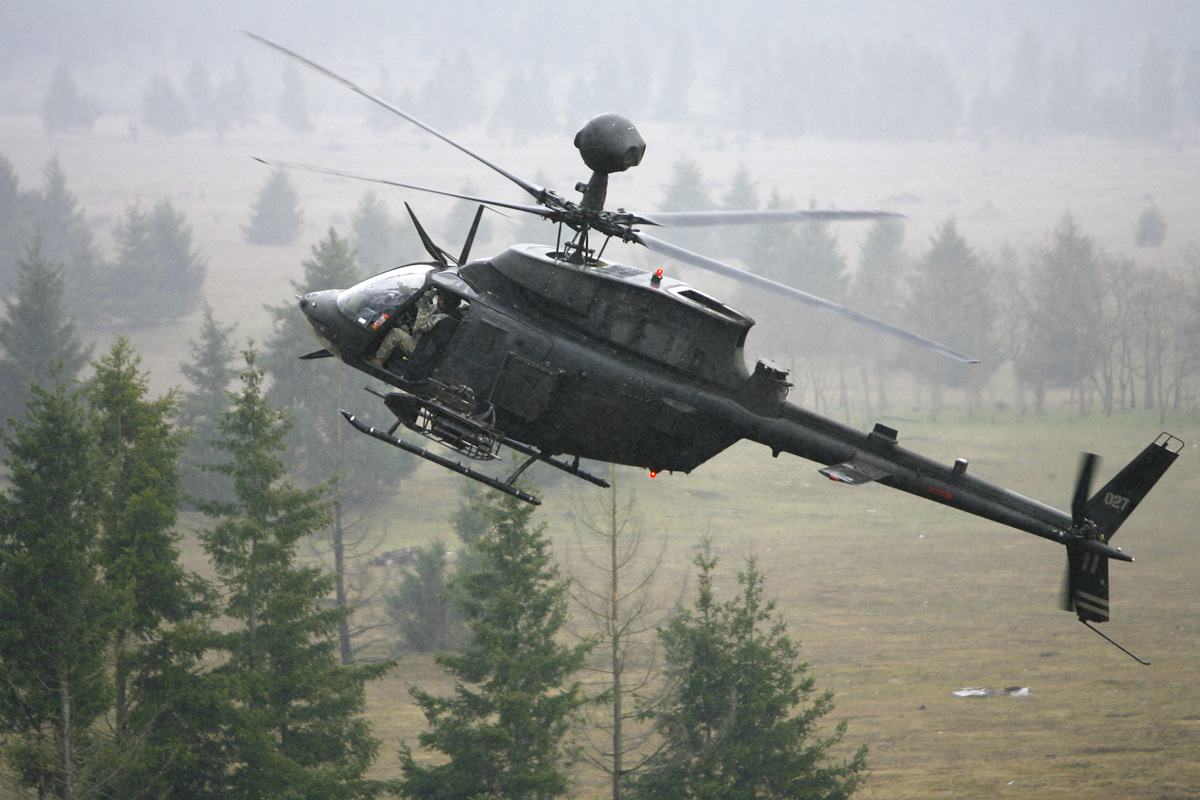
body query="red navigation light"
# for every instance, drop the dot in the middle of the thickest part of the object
(653, 473)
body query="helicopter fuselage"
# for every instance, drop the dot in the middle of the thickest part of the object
(614, 363)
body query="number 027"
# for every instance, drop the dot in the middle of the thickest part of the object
(1116, 501)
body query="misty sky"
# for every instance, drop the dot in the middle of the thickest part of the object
(112, 43)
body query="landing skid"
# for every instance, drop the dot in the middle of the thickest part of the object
(469, 437)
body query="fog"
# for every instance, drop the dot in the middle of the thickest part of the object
(118, 45)
(1004, 116)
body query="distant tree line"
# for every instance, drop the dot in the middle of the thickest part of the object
(157, 274)
(1109, 332)
(784, 85)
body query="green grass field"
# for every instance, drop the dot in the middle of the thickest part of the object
(898, 603)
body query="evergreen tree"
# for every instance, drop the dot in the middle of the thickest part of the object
(15, 219)
(1151, 228)
(743, 719)
(882, 265)
(1026, 100)
(275, 218)
(233, 102)
(210, 372)
(502, 730)
(40, 342)
(380, 241)
(66, 238)
(686, 191)
(292, 726)
(164, 109)
(1062, 314)
(953, 300)
(65, 107)
(736, 241)
(53, 607)
(293, 107)
(452, 96)
(198, 89)
(138, 550)
(421, 607)
(158, 274)
(1157, 101)
(323, 448)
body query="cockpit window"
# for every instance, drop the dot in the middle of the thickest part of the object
(371, 302)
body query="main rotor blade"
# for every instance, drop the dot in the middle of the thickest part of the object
(698, 219)
(703, 262)
(539, 210)
(537, 192)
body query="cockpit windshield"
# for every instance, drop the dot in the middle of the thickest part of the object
(371, 302)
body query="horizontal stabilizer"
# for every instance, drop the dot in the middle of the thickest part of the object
(316, 354)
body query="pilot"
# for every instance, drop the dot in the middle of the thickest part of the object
(436, 319)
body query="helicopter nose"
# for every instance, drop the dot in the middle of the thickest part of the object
(320, 311)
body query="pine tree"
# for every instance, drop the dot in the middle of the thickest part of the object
(1062, 319)
(210, 373)
(65, 107)
(164, 109)
(1151, 228)
(233, 102)
(322, 447)
(275, 218)
(138, 550)
(882, 265)
(380, 241)
(40, 342)
(502, 730)
(953, 300)
(158, 275)
(15, 220)
(735, 241)
(686, 191)
(421, 608)
(53, 607)
(66, 238)
(742, 721)
(293, 108)
(293, 724)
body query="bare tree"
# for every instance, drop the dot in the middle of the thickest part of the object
(614, 589)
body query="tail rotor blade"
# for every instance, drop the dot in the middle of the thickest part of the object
(1083, 488)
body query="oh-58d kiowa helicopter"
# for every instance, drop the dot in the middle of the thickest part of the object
(561, 355)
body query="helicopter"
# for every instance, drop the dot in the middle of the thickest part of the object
(563, 357)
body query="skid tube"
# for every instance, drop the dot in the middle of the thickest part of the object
(507, 487)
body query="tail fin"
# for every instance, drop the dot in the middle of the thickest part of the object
(1086, 587)
(1113, 504)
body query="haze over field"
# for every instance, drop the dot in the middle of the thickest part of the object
(1004, 118)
